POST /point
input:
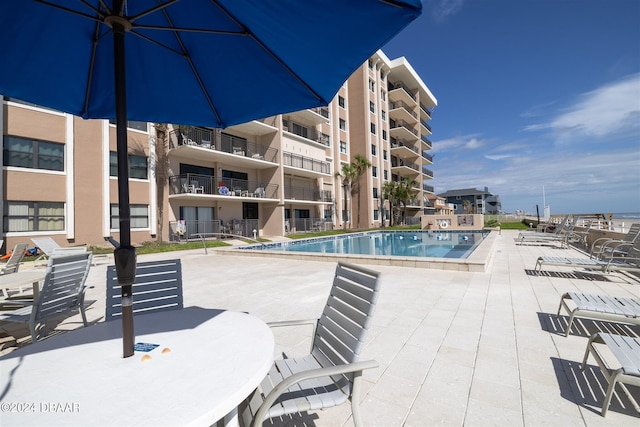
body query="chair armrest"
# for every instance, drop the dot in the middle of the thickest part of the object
(306, 375)
(292, 323)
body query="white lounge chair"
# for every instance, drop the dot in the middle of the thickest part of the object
(600, 307)
(46, 245)
(627, 263)
(13, 263)
(331, 374)
(606, 245)
(627, 352)
(62, 292)
(560, 235)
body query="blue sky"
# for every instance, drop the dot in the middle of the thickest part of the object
(533, 93)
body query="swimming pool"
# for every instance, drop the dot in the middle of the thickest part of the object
(473, 254)
(436, 244)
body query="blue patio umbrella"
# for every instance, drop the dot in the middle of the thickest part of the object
(197, 62)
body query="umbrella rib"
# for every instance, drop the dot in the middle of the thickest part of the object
(152, 10)
(76, 12)
(191, 30)
(157, 43)
(94, 49)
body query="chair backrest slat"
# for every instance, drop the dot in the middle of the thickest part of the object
(157, 286)
(347, 314)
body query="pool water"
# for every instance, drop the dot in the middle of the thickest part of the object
(436, 244)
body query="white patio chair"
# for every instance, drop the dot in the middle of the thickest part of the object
(13, 263)
(62, 292)
(627, 352)
(331, 374)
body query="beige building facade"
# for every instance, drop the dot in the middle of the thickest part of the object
(268, 177)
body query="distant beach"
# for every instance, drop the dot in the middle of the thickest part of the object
(622, 221)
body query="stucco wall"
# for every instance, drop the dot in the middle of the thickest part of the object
(452, 222)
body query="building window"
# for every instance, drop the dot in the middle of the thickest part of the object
(343, 147)
(372, 85)
(374, 171)
(375, 192)
(32, 153)
(384, 115)
(372, 107)
(341, 101)
(328, 215)
(384, 154)
(137, 166)
(134, 125)
(384, 135)
(343, 124)
(374, 150)
(34, 216)
(370, 64)
(386, 175)
(139, 216)
(373, 128)
(376, 214)
(383, 95)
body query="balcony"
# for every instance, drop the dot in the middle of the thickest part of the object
(402, 130)
(196, 185)
(427, 157)
(307, 194)
(427, 172)
(310, 134)
(409, 167)
(400, 111)
(426, 142)
(426, 125)
(428, 188)
(399, 92)
(403, 148)
(308, 164)
(424, 111)
(309, 117)
(211, 143)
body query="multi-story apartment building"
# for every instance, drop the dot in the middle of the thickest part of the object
(267, 177)
(473, 200)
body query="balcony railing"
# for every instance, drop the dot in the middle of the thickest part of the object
(401, 85)
(204, 138)
(401, 123)
(191, 183)
(428, 188)
(306, 193)
(425, 124)
(395, 163)
(307, 225)
(427, 172)
(426, 141)
(401, 104)
(307, 163)
(425, 110)
(427, 156)
(396, 143)
(306, 132)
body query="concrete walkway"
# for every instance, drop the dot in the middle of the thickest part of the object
(454, 348)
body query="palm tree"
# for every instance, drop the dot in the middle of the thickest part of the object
(161, 172)
(466, 206)
(350, 175)
(389, 192)
(405, 193)
(361, 164)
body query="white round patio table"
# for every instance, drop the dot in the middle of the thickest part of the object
(205, 363)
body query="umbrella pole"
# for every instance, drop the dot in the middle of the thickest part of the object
(125, 254)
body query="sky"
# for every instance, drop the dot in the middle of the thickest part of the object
(538, 100)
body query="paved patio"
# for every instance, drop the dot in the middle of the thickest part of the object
(454, 348)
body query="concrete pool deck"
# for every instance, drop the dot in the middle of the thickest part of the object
(455, 348)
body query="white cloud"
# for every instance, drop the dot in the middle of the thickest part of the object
(464, 142)
(442, 9)
(498, 156)
(611, 109)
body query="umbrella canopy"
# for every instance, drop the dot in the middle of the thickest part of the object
(201, 62)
